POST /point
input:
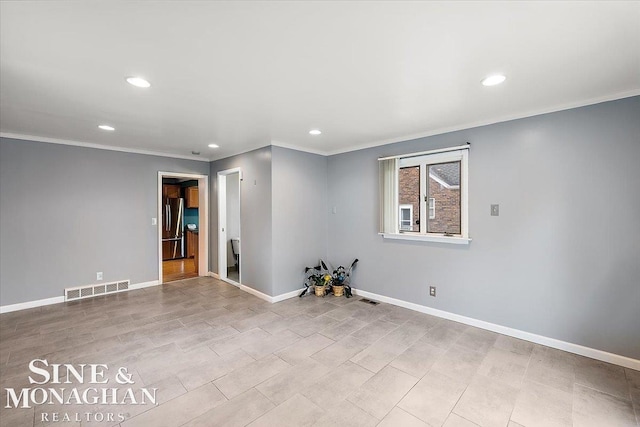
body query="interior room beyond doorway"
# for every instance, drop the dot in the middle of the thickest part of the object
(179, 224)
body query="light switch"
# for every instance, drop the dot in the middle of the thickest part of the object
(495, 210)
(154, 221)
(334, 210)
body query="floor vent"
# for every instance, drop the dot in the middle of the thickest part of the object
(81, 292)
(368, 301)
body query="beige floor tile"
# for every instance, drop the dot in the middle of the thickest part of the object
(477, 339)
(602, 376)
(399, 418)
(540, 405)
(557, 360)
(487, 402)
(312, 326)
(408, 333)
(560, 379)
(339, 383)
(418, 359)
(169, 362)
(193, 340)
(433, 398)
(383, 391)
(298, 411)
(340, 351)
(345, 312)
(592, 408)
(505, 366)
(459, 363)
(343, 328)
(242, 379)
(17, 416)
(345, 414)
(195, 376)
(196, 333)
(302, 349)
(180, 410)
(398, 315)
(287, 383)
(320, 309)
(374, 331)
(237, 412)
(268, 345)
(255, 321)
(444, 335)
(457, 421)
(227, 345)
(633, 378)
(285, 323)
(514, 345)
(378, 355)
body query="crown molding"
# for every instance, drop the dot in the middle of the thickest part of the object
(98, 146)
(378, 143)
(507, 118)
(299, 148)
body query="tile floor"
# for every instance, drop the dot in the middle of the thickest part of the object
(221, 357)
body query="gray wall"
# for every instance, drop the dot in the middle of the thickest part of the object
(561, 260)
(299, 215)
(255, 221)
(68, 212)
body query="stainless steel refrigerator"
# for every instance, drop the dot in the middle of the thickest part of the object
(172, 229)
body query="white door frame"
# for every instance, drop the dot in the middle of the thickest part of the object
(203, 220)
(222, 224)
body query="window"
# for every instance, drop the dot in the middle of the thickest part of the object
(432, 208)
(406, 218)
(424, 196)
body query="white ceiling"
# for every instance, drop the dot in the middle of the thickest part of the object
(249, 74)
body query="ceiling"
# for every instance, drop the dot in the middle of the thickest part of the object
(248, 74)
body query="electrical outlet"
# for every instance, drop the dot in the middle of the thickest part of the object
(432, 291)
(99, 275)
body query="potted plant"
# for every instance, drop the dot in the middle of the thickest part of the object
(320, 282)
(338, 278)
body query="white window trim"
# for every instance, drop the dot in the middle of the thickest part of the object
(460, 154)
(437, 238)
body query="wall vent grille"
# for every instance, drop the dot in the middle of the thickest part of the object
(81, 292)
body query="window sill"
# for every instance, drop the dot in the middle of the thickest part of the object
(455, 240)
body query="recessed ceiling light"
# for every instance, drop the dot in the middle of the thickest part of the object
(315, 132)
(106, 127)
(138, 81)
(213, 146)
(493, 80)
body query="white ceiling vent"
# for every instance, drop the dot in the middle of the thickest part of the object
(88, 291)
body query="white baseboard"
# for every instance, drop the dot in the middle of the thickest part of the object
(593, 353)
(266, 297)
(144, 285)
(256, 293)
(57, 300)
(288, 295)
(30, 304)
(212, 274)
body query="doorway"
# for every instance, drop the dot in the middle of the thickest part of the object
(183, 218)
(229, 240)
